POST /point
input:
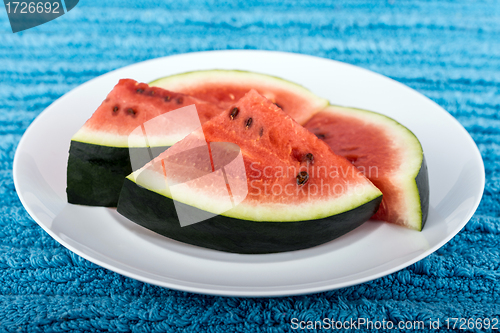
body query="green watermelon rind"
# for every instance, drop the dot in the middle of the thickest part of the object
(95, 174)
(157, 213)
(415, 175)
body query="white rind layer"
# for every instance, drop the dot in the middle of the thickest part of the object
(209, 200)
(121, 141)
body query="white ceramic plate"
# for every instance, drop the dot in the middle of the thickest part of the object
(375, 249)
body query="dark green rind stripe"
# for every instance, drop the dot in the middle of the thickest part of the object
(422, 180)
(157, 213)
(95, 173)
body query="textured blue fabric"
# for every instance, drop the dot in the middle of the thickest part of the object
(447, 50)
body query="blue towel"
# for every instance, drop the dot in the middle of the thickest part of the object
(447, 50)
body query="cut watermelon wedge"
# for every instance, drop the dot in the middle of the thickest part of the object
(129, 105)
(387, 153)
(294, 192)
(225, 87)
(99, 155)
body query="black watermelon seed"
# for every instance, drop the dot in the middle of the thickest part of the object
(261, 131)
(140, 91)
(248, 123)
(278, 106)
(115, 109)
(180, 100)
(234, 113)
(302, 178)
(131, 111)
(167, 98)
(309, 158)
(152, 92)
(320, 136)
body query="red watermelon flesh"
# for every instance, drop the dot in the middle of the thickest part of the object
(386, 152)
(291, 174)
(131, 104)
(225, 87)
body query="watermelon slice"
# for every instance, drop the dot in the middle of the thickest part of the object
(225, 87)
(387, 153)
(294, 192)
(99, 154)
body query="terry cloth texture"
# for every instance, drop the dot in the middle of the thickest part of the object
(447, 50)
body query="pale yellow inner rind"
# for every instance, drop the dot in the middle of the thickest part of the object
(208, 200)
